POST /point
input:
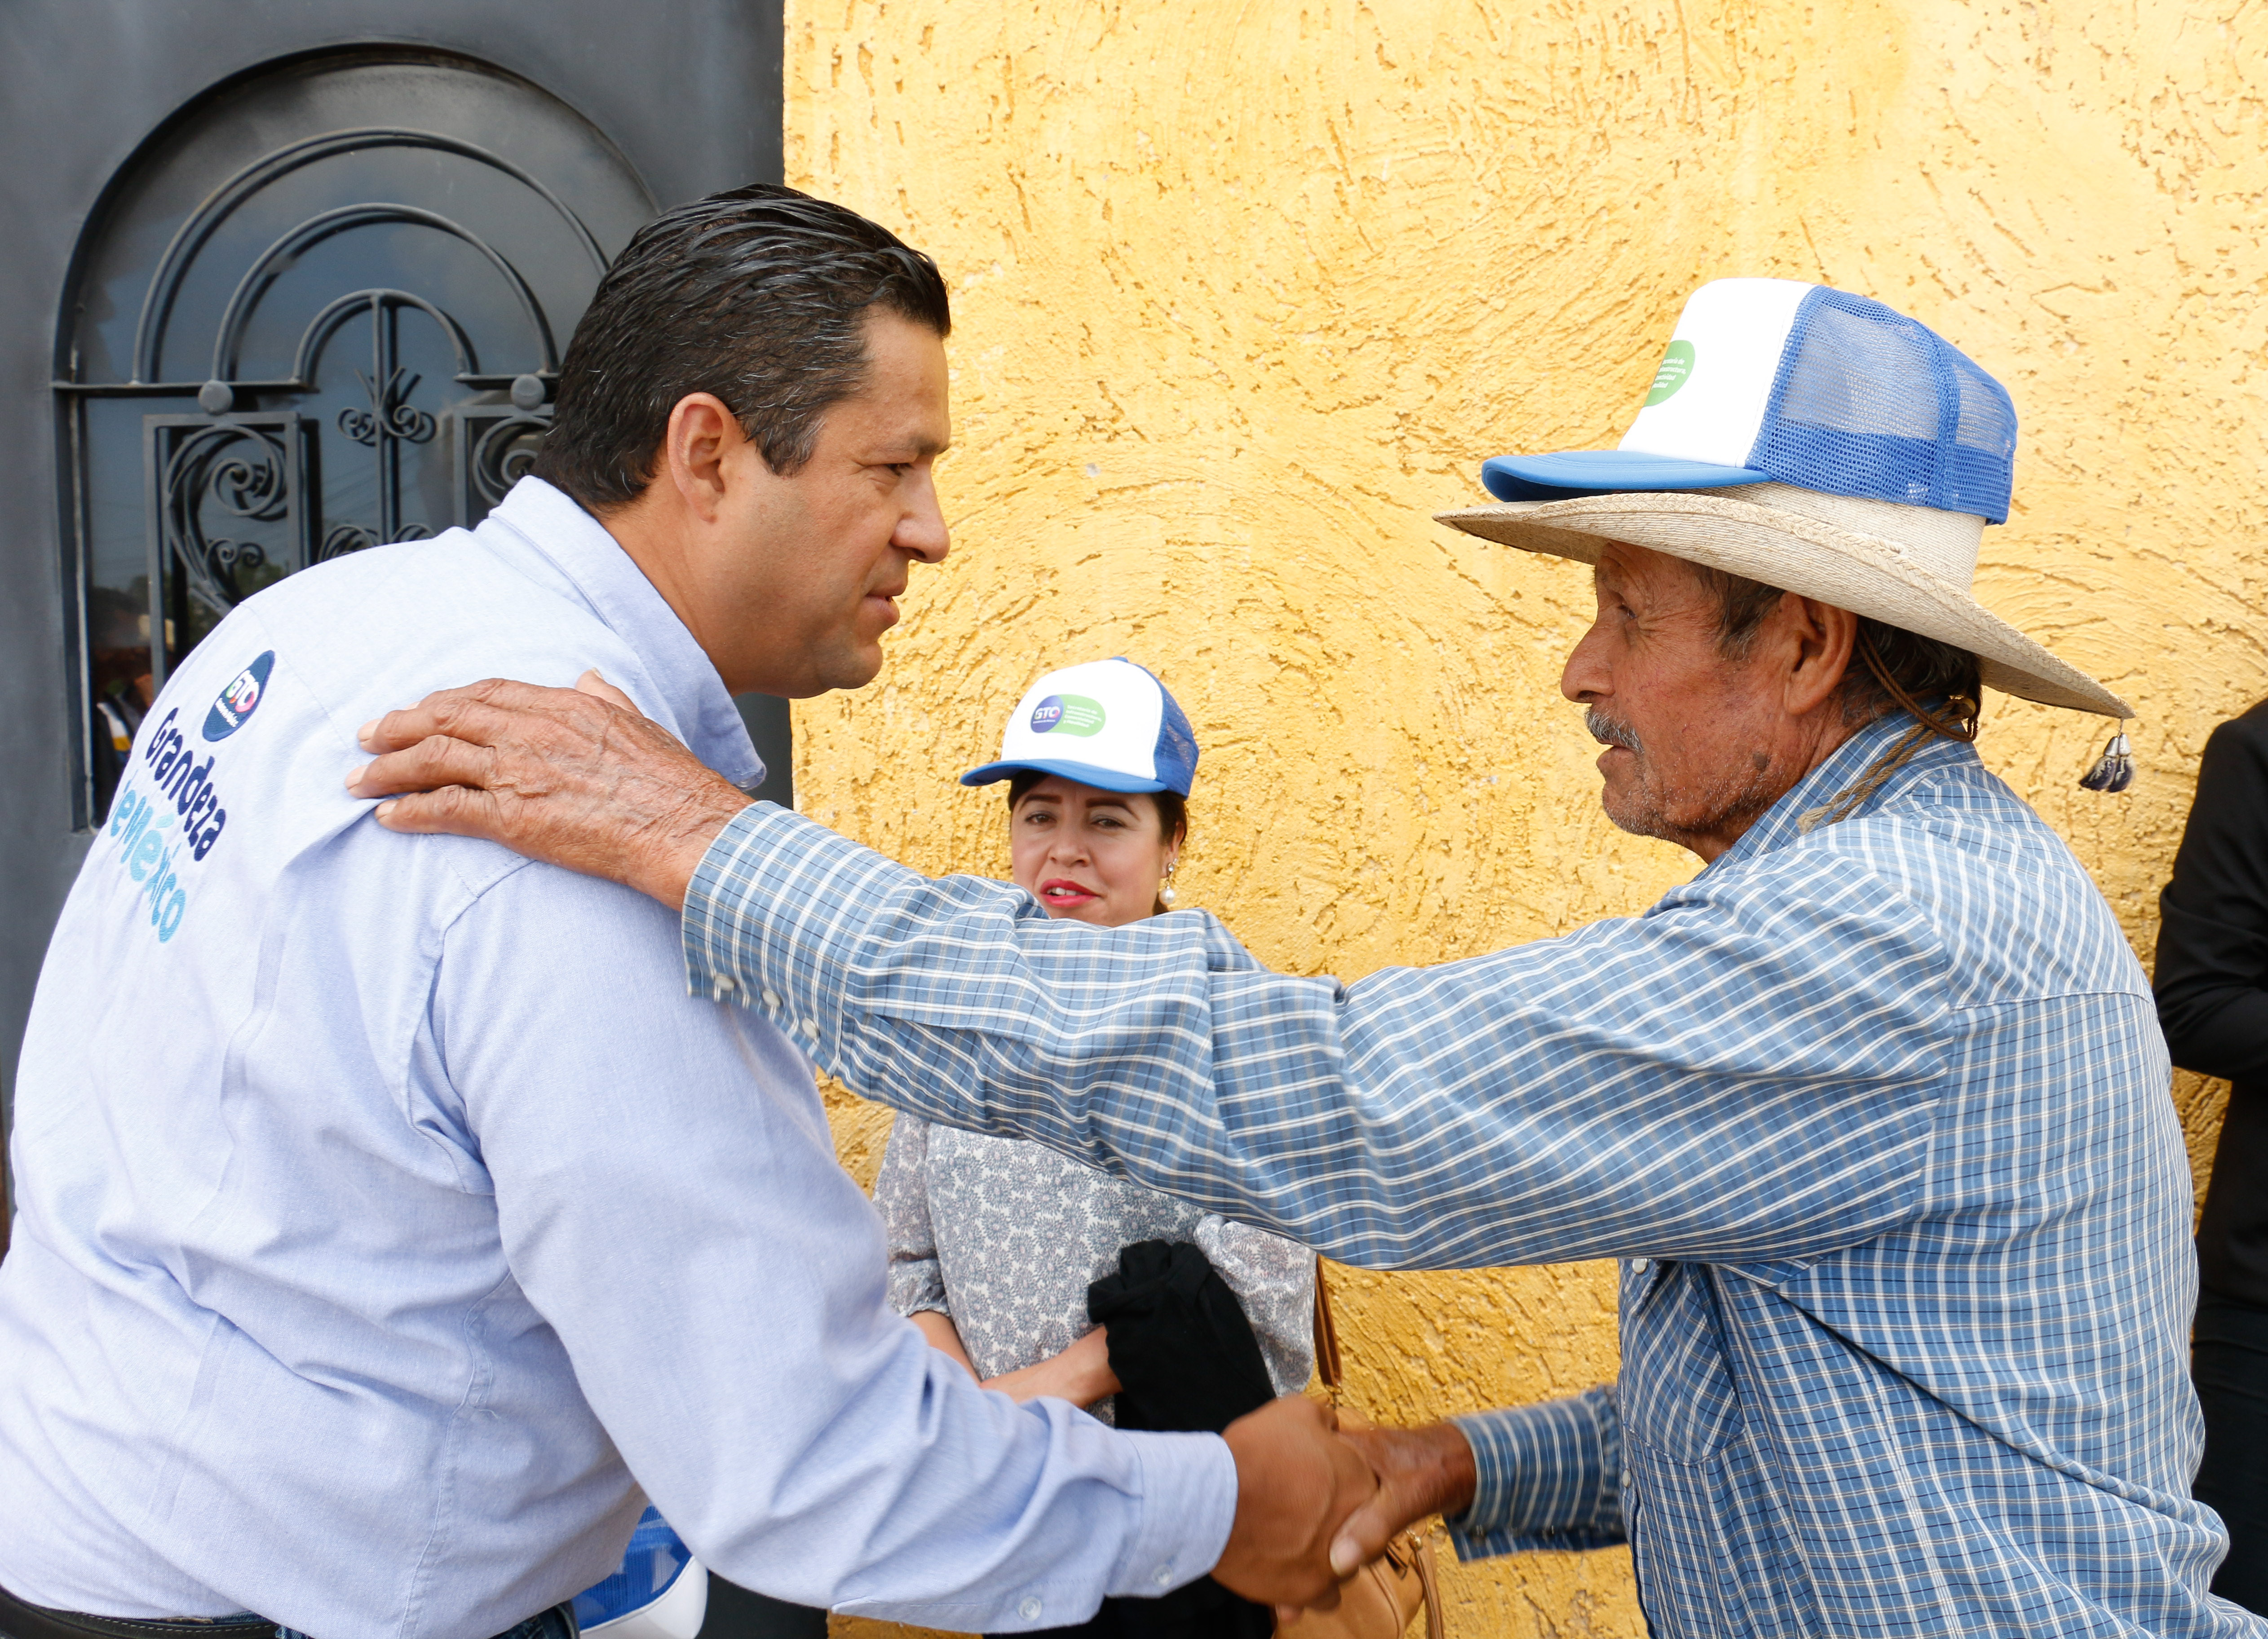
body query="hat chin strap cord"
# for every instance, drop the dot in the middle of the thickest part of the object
(2113, 771)
(1956, 721)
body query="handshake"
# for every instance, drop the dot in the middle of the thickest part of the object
(1315, 1503)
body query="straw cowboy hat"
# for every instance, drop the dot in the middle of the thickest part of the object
(1815, 441)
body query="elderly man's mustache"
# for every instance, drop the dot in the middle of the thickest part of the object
(1611, 731)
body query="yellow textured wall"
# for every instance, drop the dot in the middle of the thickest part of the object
(1244, 292)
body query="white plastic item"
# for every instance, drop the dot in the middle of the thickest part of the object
(677, 1614)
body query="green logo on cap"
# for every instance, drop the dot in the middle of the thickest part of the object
(1676, 365)
(1067, 714)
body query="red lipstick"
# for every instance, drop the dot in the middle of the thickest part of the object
(1061, 890)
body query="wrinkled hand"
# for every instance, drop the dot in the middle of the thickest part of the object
(1420, 1471)
(574, 777)
(1297, 1481)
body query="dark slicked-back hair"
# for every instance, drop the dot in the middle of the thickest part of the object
(759, 295)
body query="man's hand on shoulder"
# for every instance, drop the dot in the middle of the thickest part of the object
(1297, 1481)
(575, 777)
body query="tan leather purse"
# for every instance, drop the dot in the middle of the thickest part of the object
(1383, 1599)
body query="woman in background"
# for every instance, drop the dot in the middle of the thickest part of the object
(995, 1241)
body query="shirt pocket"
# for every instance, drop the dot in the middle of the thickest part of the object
(1714, 1557)
(1677, 1398)
(1712, 1561)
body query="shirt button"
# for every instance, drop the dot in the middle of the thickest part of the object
(1029, 1610)
(771, 1000)
(726, 984)
(1639, 1266)
(811, 1029)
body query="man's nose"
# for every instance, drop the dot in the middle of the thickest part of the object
(921, 527)
(1586, 676)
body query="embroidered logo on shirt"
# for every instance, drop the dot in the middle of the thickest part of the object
(151, 857)
(163, 830)
(239, 699)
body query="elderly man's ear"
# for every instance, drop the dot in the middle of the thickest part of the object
(1814, 643)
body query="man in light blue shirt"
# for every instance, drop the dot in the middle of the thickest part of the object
(391, 1223)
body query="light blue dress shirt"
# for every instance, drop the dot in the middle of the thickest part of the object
(388, 1216)
(1875, 1113)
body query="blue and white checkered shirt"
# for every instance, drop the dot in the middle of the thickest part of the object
(1876, 1116)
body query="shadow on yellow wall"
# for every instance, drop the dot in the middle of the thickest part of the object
(1243, 293)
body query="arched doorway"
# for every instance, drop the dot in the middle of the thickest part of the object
(321, 309)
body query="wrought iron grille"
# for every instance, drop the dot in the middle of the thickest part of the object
(346, 335)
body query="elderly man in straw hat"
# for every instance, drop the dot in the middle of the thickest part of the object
(1873, 1111)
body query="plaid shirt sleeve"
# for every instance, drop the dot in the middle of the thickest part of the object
(1548, 1476)
(1743, 1075)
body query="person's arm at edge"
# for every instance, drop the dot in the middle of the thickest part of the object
(1166, 1055)
(2213, 939)
(944, 1337)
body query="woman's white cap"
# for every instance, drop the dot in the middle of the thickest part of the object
(1107, 724)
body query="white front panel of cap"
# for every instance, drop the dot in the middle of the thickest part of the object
(1106, 714)
(1708, 398)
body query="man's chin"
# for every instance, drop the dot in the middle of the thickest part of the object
(859, 667)
(1631, 811)
(852, 668)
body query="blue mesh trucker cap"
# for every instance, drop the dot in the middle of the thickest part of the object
(1774, 381)
(1813, 441)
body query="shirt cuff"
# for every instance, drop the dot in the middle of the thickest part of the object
(1188, 1503)
(721, 909)
(1546, 1476)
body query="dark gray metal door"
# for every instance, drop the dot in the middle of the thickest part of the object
(287, 279)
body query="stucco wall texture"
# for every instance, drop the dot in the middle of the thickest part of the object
(1243, 293)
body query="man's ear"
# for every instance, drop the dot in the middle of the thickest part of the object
(702, 435)
(1820, 651)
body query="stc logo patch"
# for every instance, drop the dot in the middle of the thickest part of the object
(1067, 714)
(239, 699)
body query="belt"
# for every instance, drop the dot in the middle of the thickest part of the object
(19, 1621)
